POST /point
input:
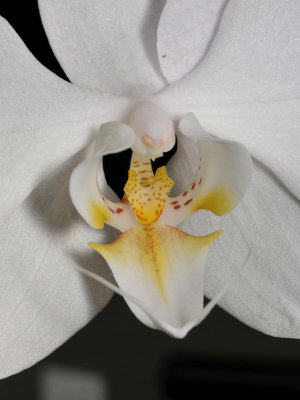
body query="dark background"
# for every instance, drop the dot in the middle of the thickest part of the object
(115, 353)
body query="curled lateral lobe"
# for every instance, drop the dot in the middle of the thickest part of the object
(223, 174)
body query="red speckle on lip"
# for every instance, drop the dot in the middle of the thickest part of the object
(176, 207)
(110, 209)
(200, 181)
(193, 187)
(184, 194)
(119, 210)
(174, 202)
(187, 202)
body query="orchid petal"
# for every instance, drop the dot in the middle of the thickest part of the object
(266, 297)
(246, 89)
(266, 222)
(44, 120)
(43, 300)
(101, 46)
(155, 263)
(184, 35)
(221, 180)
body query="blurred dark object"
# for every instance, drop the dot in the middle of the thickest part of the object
(192, 377)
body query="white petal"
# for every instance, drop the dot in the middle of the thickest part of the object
(43, 300)
(163, 268)
(247, 87)
(184, 35)
(44, 120)
(105, 46)
(267, 221)
(224, 171)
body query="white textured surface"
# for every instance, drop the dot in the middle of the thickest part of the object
(44, 120)
(106, 45)
(43, 299)
(266, 221)
(248, 86)
(247, 89)
(185, 32)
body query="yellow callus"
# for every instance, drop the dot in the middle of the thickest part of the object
(148, 200)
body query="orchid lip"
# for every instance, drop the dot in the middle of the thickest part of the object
(153, 143)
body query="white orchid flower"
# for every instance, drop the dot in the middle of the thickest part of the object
(244, 88)
(160, 269)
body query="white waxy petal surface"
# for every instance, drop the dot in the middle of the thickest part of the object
(43, 299)
(184, 35)
(106, 45)
(266, 221)
(44, 120)
(247, 87)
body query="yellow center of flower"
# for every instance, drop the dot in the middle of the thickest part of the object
(146, 193)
